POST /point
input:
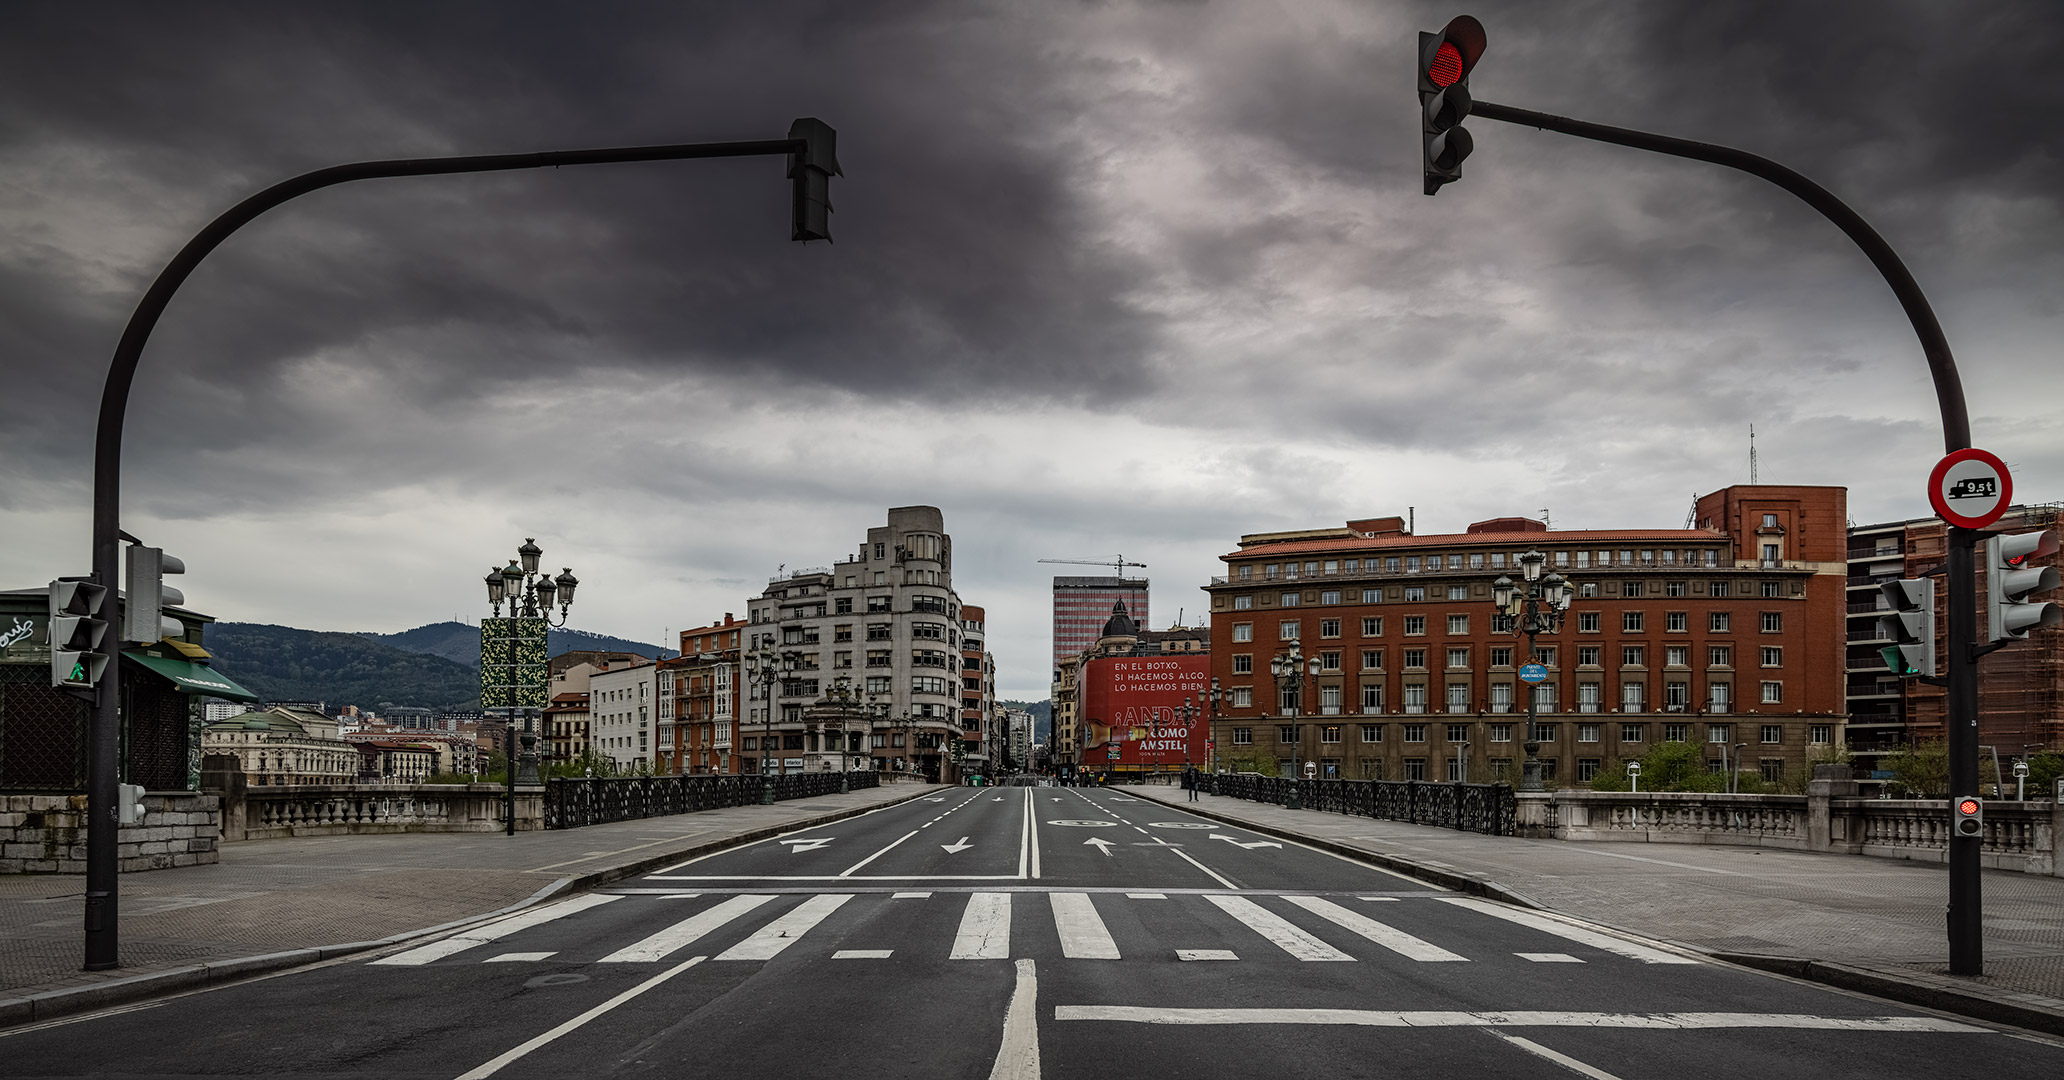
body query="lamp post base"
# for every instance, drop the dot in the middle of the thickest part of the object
(1530, 778)
(767, 791)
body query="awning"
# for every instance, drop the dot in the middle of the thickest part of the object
(193, 678)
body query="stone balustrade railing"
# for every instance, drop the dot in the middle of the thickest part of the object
(258, 813)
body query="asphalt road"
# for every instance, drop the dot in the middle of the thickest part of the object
(1025, 932)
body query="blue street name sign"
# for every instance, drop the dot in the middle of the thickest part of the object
(1534, 672)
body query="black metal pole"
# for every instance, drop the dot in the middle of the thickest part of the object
(1965, 916)
(104, 732)
(509, 772)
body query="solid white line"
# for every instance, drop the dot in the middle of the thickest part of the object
(495, 1065)
(460, 942)
(1017, 1058)
(1548, 957)
(1277, 929)
(514, 957)
(1214, 874)
(767, 942)
(984, 928)
(862, 954)
(842, 877)
(1389, 937)
(1025, 839)
(1083, 934)
(1564, 1060)
(910, 896)
(1033, 818)
(1146, 896)
(1649, 1021)
(657, 947)
(848, 872)
(1564, 930)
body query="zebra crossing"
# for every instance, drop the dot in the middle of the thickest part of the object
(1000, 925)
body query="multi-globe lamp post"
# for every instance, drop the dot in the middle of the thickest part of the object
(1210, 699)
(848, 700)
(1290, 665)
(765, 665)
(521, 655)
(1531, 606)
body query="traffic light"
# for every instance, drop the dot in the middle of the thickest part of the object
(143, 618)
(128, 804)
(1911, 626)
(76, 629)
(1444, 63)
(1970, 817)
(2011, 577)
(810, 171)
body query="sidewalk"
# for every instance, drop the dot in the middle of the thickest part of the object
(272, 904)
(1875, 925)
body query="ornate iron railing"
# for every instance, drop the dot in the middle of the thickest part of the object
(573, 802)
(1484, 808)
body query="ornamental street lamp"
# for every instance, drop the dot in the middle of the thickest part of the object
(1210, 699)
(766, 665)
(1187, 713)
(1290, 666)
(847, 699)
(530, 594)
(1532, 606)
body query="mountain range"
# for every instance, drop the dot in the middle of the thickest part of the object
(435, 666)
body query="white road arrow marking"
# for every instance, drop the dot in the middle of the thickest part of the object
(1252, 844)
(962, 846)
(935, 800)
(808, 845)
(999, 798)
(1102, 844)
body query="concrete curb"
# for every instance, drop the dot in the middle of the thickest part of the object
(56, 1003)
(2007, 1007)
(1446, 877)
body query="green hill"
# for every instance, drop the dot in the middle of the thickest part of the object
(282, 663)
(460, 642)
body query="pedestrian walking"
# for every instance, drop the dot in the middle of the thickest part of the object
(1189, 782)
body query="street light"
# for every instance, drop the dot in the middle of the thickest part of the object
(1634, 775)
(1210, 699)
(847, 700)
(1532, 606)
(530, 595)
(1290, 665)
(764, 665)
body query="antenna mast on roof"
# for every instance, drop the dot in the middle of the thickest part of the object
(1546, 520)
(1752, 453)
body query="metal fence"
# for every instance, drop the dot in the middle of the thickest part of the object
(1486, 808)
(573, 802)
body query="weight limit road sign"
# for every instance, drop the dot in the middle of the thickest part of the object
(1970, 488)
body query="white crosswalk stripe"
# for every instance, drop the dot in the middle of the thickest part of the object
(660, 945)
(1391, 938)
(984, 928)
(1277, 929)
(460, 942)
(1083, 934)
(1564, 930)
(769, 940)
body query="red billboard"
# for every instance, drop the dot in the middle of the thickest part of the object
(1129, 702)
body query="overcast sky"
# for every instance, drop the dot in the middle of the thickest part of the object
(1107, 278)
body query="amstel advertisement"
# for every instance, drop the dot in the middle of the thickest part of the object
(1130, 702)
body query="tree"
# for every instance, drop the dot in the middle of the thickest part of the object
(1919, 770)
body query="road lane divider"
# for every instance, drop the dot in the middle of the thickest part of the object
(1688, 1021)
(496, 1064)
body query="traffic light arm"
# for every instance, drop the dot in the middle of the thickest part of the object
(104, 730)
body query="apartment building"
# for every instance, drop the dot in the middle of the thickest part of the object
(567, 734)
(1082, 604)
(888, 619)
(1728, 634)
(982, 746)
(705, 692)
(2020, 687)
(622, 714)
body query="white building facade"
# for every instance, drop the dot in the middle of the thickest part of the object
(623, 715)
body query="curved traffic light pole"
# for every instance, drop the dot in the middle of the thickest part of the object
(102, 870)
(1966, 937)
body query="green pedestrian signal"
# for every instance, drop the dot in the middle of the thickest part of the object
(1910, 625)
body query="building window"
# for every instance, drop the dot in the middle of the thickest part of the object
(1287, 699)
(1772, 734)
(1633, 697)
(1633, 733)
(1243, 736)
(1415, 768)
(1773, 588)
(1719, 733)
(1587, 733)
(1544, 698)
(1372, 627)
(1287, 630)
(1414, 593)
(1329, 661)
(1588, 696)
(1243, 631)
(1677, 656)
(1631, 588)
(1458, 697)
(1501, 733)
(1773, 693)
(1501, 697)
(1719, 698)
(1372, 732)
(1372, 700)
(1330, 596)
(1630, 622)
(1246, 572)
(1674, 588)
(1329, 628)
(1287, 733)
(1820, 734)
(1773, 656)
(1372, 596)
(1587, 769)
(1632, 656)
(1288, 599)
(1243, 603)
(1329, 733)
(1415, 658)
(1476, 560)
(1587, 622)
(1458, 592)
(1773, 622)
(1676, 622)
(1458, 625)
(1415, 626)
(1720, 588)
(1588, 655)
(1501, 656)
(1544, 654)
(1415, 732)
(1458, 658)
(1243, 663)
(1458, 733)
(1719, 655)
(1415, 699)
(1243, 697)
(1676, 732)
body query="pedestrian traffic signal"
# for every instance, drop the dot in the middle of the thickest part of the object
(1970, 817)
(1444, 102)
(129, 804)
(809, 172)
(2011, 577)
(76, 629)
(143, 617)
(1910, 626)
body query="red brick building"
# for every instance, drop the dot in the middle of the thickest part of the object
(705, 693)
(1728, 635)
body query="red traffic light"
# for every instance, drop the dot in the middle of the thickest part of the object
(1446, 68)
(1967, 807)
(1461, 45)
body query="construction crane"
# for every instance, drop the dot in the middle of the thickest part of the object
(1116, 562)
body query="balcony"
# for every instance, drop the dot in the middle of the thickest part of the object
(1882, 552)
